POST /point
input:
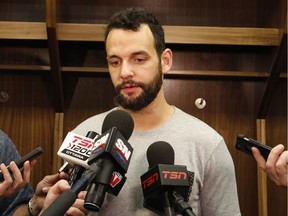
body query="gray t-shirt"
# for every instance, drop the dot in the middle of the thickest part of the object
(196, 145)
(8, 152)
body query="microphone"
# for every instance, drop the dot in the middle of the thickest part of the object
(166, 187)
(75, 150)
(113, 149)
(67, 198)
(99, 158)
(78, 170)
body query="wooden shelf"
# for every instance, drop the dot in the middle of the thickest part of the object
(24, 68)
(85, 69)
(219, 73)
(195, 73)
(174, 34)
(103, 70)
(222, 35)
(182, 34)
(23, 30)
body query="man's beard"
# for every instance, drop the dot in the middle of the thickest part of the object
(149, 93)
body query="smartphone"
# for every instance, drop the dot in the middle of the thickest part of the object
(245, 144)
(30, 156)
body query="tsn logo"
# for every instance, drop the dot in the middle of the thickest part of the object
(171, 175)
(150, 180)
(79, 144)
(174, 175)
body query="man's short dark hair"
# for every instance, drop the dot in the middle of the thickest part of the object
(132, 18)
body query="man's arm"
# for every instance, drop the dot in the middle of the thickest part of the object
(219, 196)
(47, 191)
(56, 190)
(39, 196)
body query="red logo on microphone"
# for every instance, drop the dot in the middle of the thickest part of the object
(174, 175)
(150, 181)
(115, 179)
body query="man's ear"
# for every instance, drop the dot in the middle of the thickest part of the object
(166, 60)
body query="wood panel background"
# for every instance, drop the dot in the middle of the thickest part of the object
(28, 117)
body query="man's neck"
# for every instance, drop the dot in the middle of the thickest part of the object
(153, 116)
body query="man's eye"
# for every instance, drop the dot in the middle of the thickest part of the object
(114, 63)
(139, 60)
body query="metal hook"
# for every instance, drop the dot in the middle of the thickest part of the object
(4, 96)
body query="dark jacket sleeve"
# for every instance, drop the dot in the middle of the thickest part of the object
(9, 152)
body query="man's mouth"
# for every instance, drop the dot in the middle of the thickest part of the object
(129, 88)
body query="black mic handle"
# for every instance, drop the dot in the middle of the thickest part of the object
(61, 204)
(183, 207)
(75, 174)
(89, 202)
(67, 198)
(95, 197)
(97, 189)
(168, 210)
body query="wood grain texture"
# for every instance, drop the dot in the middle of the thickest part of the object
(28, 118)
(23, 30)
(262, 178)
(174, 34)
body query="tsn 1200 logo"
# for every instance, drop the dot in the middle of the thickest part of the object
(81, 145)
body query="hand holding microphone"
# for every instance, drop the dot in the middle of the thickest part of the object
(111, 152)
(56, 190)
(68, 197)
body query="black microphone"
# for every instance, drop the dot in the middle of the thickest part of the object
(166, 187)
(78, 170)
(67, 198)
(113, 149)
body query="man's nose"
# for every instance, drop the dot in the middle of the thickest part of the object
(126, 70)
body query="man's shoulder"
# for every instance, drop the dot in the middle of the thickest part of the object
(187, 118)
(188, 122)
(93, 123)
